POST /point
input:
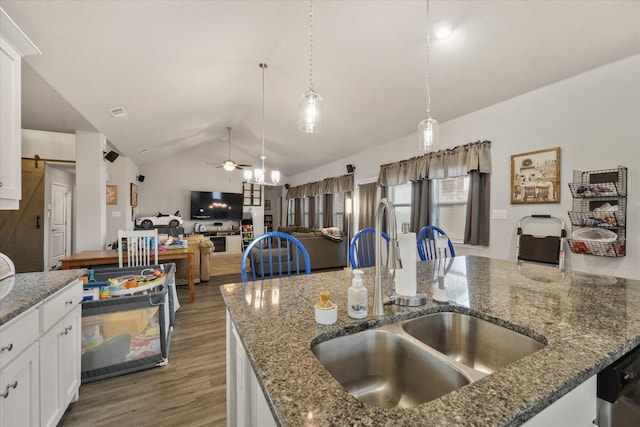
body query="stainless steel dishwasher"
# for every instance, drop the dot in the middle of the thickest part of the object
(619, 392)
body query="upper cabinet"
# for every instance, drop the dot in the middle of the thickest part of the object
(14, 44)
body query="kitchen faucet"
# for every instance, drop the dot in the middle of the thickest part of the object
(393, 255)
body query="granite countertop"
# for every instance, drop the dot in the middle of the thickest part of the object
(25, 290)
(588, 322)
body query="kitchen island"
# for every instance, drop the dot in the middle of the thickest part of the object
(586, 322)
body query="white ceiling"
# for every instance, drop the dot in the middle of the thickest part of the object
(185, 70)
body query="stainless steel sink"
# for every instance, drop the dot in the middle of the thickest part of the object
(474, 342)
(414, 361)
(386, 370)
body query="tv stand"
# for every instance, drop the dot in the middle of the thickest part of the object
(225, 241)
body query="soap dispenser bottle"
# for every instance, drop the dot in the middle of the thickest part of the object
(357, 297)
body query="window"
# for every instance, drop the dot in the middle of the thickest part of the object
(338, 210)
(450, 207)
(305, 212)
(400, 196)
(319, 211)
(291, 203)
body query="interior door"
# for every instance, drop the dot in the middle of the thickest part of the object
(58, 237)
(21, 231)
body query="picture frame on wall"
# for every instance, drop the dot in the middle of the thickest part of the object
(535, 177)
(112, 194)
(267, 205)
(134, 194)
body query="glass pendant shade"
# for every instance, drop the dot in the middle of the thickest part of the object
(247, 175)
(428, 132)
(310, 107)
(259, 174)
(275, 176)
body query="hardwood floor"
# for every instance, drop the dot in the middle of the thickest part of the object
(190, 390)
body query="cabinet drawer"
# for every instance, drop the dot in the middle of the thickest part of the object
(61, 303)
(17, 335)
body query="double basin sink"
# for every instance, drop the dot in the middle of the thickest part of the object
(411, 362)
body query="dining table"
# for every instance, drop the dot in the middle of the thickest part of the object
(110, 256)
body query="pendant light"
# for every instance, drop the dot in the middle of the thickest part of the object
(311, 104)
(428, 129)
(258, 174)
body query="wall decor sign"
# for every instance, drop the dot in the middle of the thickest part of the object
(535, 177)
(112, 194)
(134, 194)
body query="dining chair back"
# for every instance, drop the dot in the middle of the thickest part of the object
(362, 250)
(274, 254)
(137, 246)
(428, 243)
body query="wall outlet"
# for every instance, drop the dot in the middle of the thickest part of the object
(499, 214)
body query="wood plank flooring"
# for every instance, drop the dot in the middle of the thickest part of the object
(190, 390)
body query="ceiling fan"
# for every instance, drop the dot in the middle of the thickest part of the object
(229, 164)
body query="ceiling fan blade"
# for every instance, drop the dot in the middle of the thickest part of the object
(243, 165)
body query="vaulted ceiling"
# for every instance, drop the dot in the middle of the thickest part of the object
(185, 70)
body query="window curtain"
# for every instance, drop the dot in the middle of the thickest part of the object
(420, 205)
(367, 199)
(476, 230)
(338, 184)
(327, 217)
(457, 161)
(473, 159)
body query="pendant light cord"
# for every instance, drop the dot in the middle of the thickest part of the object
(264, 67)
(311, 45)
(428, 61)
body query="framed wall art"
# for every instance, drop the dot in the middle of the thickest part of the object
(134, 194)
(535, 177)
(112, 194)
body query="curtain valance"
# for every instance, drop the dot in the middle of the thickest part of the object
(338, 184)
(450, 163)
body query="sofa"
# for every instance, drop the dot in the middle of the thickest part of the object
(202, 261)
(324, 251)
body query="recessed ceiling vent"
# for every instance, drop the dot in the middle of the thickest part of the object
(118, 112)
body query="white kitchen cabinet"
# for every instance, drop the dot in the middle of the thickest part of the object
(14, 44)
(575, 409)
(246, 403)
(60, 354)
(19, 371)
(40, 360)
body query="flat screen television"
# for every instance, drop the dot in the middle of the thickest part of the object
(210, 205)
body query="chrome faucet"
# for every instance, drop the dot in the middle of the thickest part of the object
(393, 254)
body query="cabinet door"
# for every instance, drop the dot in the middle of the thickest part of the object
(19, 398)
(70, 357)
(60, 363)
(10, 122)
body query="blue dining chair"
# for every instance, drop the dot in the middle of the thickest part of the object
(362, 250)
(427, 248)
(274, 254)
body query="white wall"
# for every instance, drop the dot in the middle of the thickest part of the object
(168, 184)
(122, 173)
(90, 197)
(594, 117)
(48, 145)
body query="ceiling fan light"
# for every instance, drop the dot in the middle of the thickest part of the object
(229, 165)
(310, 108)
(428, 132)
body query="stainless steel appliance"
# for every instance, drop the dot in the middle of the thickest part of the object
(619, 392)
